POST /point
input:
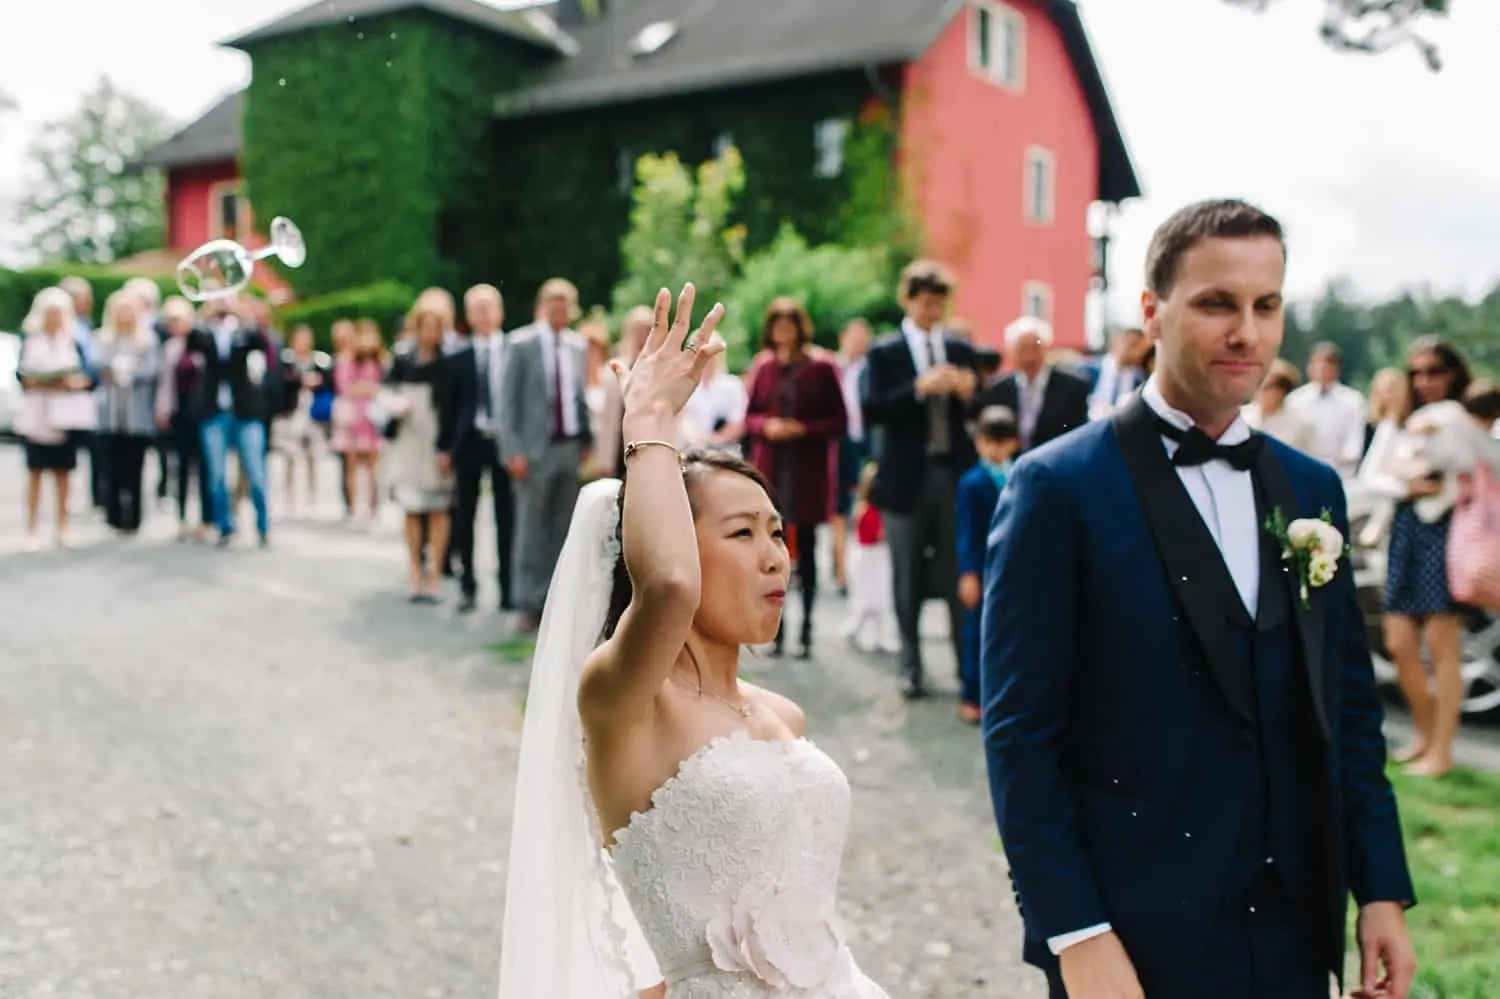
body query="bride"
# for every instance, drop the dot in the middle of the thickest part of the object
(675, 835)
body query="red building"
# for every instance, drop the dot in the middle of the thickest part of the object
(1018, 141)
(1007, 132)
(204, 193)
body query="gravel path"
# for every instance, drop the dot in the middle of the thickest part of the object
(246, 775)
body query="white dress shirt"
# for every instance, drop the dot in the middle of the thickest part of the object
(224, 331)
(1337, 417)
(1225, 499)
(1113, 388)
(559, 367)
(489, 357)
(849, 378)
(918, 341)
(1031, 394)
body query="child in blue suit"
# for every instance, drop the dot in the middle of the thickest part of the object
(997, 438)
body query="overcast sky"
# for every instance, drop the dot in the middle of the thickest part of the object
(1378, 172)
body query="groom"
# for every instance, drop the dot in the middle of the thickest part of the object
(1185, 758)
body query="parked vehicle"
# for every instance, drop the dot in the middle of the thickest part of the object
(1481, 643)
(10, 385)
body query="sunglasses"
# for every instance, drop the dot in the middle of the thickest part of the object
(1427, 372)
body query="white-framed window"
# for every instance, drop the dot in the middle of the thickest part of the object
(227, 211)
(829, 136)
(1036, 300)
(997, 43)
(722, 144)
(1039, 193)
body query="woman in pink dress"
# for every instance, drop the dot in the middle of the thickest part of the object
(357, 377)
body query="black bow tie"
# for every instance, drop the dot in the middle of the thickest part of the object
(1194, 447)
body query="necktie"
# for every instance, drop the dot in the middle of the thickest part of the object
(558, 424)
(1194, 447)
(1030, 410)
(938, 436)
(482, 359)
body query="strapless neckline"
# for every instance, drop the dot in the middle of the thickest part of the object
(696, 759)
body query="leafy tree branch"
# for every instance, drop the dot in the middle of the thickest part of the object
(1374, 26)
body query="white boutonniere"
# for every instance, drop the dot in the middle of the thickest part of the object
(1310, 547)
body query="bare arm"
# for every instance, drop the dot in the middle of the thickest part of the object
(622, 677)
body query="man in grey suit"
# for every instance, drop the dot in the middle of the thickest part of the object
(544, 437)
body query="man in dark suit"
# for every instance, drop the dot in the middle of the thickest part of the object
(234, 404)
(1047, 400)
(1183, 736)
(919, 385)
(476, 368)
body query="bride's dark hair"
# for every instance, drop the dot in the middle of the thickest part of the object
(696, 464)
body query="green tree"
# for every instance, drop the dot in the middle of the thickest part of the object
(834, 284)
(84, 203)
(680, 230)
(1372, 335)
(1373, 26)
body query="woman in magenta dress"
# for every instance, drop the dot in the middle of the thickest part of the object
(357, 378)
(794, 419)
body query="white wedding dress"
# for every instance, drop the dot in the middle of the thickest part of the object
(733, 874)
(726, 887)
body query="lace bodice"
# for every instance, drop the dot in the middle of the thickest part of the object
(733, 874)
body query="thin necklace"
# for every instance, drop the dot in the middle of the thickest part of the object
(743, 708)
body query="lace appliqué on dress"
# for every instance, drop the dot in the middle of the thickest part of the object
(733, 874)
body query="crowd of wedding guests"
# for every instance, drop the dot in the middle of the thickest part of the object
(896, 447)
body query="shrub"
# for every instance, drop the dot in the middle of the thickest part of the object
(834, 284)
(680, 230)
(386, 302)
(18, 288)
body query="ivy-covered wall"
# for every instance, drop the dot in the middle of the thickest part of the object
(373, 135)
(563, 209)
(380, 138)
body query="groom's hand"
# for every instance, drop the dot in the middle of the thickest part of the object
(1099, 968)
(1384, 944)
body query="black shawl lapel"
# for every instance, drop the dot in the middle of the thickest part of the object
(1279, 494)
(1195, 569)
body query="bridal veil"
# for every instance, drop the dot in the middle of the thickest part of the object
(568, 931)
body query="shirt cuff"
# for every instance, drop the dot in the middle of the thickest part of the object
(1061, 943)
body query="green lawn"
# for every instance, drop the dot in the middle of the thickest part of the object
(1453, 843)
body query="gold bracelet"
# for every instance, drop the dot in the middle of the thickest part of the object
(634, 446)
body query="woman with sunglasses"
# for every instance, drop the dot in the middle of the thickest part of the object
(1418, 605)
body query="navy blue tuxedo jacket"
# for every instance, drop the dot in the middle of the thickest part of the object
(1117, 719)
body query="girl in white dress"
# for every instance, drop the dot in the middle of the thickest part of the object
(676, 834)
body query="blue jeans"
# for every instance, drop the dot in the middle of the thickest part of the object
(248, 438)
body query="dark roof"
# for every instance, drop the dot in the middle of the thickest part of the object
(723, 43)
(729, 43)
(720, 43)
(212, 138)
(525, 26)
(1117, 176)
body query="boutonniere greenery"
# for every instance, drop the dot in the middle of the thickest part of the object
(1311, 547)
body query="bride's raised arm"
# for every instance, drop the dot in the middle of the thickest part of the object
(622, 677)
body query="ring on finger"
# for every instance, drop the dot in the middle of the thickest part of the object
(690, 346)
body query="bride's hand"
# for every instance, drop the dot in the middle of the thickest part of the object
(668, 370)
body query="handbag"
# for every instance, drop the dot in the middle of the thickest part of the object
(321, 410)
(1474, 541)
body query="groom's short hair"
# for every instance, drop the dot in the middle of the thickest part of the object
(1224, 218)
